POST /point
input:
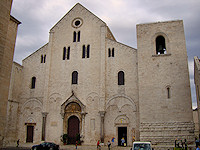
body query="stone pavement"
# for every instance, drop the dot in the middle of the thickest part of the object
(27, 146)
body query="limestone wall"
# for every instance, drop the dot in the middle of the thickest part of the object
(157, 73)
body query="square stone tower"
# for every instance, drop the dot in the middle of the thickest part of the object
(163, 80)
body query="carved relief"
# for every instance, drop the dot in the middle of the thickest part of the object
(72, 107)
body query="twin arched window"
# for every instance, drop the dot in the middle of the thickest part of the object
(111, 53)
(76, 36)
(66, 51)
(43, 58)
(86, 53)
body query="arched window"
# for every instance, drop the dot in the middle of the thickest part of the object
(168, 92)
(160, 45)
(41, 58)
(64, 53)
(113, 50)
(68, 52)
(75, 77)
(83, 52)
(74, 36)
(44, 58)
(88, 51)
(120, 78)
(109, 52)
(33, 81)
(79, 36)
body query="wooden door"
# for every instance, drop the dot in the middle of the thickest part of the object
(73, 129)
(29, 136)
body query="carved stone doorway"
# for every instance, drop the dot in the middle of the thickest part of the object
(73, 129)
(73, 114)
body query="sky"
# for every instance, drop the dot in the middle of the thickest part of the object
(121, 16)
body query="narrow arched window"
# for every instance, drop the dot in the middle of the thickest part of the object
(44, 58)
(41, 58)
(33, 81)
(75, 77)
(168, 93)
(64, 53)
(74, 36)
(83, 52)
(88, 51)
(120, 78)
(109, 52)
(68, 52)
(160, 45)
(79, 36)
(113, 52)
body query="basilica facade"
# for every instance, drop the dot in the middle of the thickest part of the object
(84, 82)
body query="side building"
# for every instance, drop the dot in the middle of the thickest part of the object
(85, 83)
(8, 32)
(197, 84)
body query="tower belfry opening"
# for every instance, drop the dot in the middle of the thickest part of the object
(160, 45)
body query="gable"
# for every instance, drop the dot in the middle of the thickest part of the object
(75, 12)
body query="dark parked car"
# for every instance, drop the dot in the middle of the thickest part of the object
(46, 146)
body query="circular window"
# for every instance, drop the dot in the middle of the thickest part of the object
(77, 22)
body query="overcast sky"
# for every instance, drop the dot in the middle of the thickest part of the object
(39, 16)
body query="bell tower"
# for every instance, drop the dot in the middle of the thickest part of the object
(163, 80)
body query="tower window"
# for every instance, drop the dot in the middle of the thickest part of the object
(120, 78)
(33, 81)
(168, 93)
(160, 45)
(75, 77)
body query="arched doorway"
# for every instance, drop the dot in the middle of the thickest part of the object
(73, 129)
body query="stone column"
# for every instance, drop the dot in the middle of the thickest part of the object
(44, 117)
(83, 126)
(102, 114)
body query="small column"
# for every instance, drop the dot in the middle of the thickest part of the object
(83, 125)
(102, 115)
(44, 117)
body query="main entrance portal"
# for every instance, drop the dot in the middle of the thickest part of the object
(73, 129)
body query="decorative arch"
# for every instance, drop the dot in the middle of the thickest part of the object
(34, 103)
(124, 100)
(72, 99)
(121, 120)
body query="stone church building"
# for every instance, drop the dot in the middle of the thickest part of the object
(85, 82)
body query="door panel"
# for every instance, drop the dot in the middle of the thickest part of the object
(29, 136)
